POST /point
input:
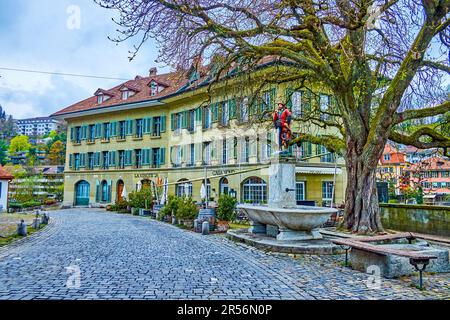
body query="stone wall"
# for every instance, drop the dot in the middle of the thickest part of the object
(433, 220)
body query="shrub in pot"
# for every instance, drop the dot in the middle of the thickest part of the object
(226, 211)
(169, 209)
(187, 212)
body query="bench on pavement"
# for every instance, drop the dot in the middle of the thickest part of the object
(418, 260)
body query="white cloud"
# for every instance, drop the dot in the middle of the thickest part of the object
(36, 37)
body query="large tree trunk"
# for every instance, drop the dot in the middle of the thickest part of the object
(362, 212)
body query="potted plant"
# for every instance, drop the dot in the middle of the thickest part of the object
(226, 212)
(187, 212)
(147, 196)
(170, 209)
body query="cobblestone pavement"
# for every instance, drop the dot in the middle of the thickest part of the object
(126, 257)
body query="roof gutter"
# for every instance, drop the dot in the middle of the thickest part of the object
(106, 109)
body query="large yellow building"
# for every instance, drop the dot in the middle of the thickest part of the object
(177, 126)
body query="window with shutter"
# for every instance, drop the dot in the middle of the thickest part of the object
(162, 157)
(163, 123)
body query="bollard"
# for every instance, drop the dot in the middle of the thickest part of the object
(205, 228)
(22, 229)
(36, 223)
(45, 218)
(196, 225)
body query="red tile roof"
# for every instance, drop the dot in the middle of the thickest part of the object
(397, 157)
(173, 82)
(5, 175)
(434, 163)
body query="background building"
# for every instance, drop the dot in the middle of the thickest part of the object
(170, 126)
(391, 167)
(37, 127)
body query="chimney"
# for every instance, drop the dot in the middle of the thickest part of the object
(153, 72)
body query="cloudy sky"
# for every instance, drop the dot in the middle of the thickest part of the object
(35, 35)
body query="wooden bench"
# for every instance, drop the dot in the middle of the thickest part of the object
(416, 259)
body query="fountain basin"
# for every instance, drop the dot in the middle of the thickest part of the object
(294, 223)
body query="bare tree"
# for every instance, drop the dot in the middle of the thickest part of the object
(384, 61)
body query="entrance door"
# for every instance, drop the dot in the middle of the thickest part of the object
(224, 188)
(82, 191)
(120, 186)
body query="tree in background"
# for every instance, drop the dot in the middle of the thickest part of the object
(383, 61)
(3, 152)
(57, 153)
(7, 125)
(19, 144)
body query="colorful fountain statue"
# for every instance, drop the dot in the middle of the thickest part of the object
(282, 119)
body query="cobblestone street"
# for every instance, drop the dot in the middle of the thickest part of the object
(127, 257)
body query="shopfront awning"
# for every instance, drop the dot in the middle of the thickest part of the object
(429, 196)
(318, 170)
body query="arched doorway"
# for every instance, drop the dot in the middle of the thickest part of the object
(224, 188)
(254, 190)
(120, 188)
(82, 191)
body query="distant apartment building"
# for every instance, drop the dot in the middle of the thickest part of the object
(391, 166)
(433, 175)
(36, 127)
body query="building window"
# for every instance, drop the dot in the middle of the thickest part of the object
(78, 135)
(126, 94)
(300, 191)
(91, 133)
(296, 101)
(153, 88)
(327, 193)
(156, 130)
(246, 150)
(77, 161)
(139, 128)
(224, 151)
(90, 161)
(122, 129)
(106, 132)
(184, 188)
(387, 157)
(224, 187)
(138, 154)
(105, 157)
(243, 110)
(191, 161)
(121, 159)
(207, 153)
(326, 155)
(100, 98)
(207, 118)
(155, 157)
(191, 127)
(254, 190)
(225, 118)
(324, 106)
(267, 101)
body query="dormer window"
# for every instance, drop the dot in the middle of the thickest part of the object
(100, 98)
(126, 94)
(153, 88)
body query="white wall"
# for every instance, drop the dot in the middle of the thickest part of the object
(4, 194)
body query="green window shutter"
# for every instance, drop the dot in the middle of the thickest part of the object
(109, 191)
(150, 157)
(232, 108)
(148, 125)
(145, 156)
(289, 93)
(273, 95)
(71, 161)
(163, 123)
(83, 132)
(72, 134)
(198, 114)
(112, 158)
(215, 112)
(82, 160)
(172, 121)
(97, 191)
(184, 120)
(162, 156)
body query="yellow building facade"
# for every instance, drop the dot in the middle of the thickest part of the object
(153, 129)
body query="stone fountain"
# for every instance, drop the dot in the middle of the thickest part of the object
(282, 212)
